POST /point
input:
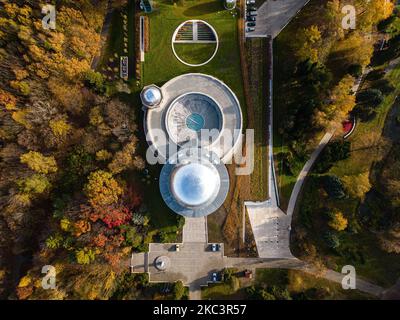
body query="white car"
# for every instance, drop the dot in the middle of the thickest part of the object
(214, 277)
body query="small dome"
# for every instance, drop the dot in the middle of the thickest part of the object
(151, 96)
(195, 184)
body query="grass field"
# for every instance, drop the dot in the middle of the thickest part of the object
(160, 63)
(195, 53)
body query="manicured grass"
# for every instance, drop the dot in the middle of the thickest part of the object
(195, 53)
(256, 50)
(160, 63)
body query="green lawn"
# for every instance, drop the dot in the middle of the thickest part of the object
(195, 53)
(160, 63)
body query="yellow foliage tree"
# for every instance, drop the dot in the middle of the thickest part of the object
(357, 185)
(342, 102)
(59, 127)
(7, 100)
(310, 40)
(338, 221)
(39, 163)
(103, 155)
(102, 189)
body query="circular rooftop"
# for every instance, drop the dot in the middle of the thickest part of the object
(195, 108)
(194, 184)
(189, 114)
(151, 96)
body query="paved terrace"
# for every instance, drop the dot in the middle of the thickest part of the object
(274, 15)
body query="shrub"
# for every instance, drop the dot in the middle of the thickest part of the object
(95, 80)
(331, 240)
(338, 221)
(179, 290)
(333, 187)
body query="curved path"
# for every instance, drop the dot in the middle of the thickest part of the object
(304, 172)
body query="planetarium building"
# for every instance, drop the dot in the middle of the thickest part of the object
(193, 124)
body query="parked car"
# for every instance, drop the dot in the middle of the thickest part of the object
(251, 8)
(250, 2)
(252, 13)
(251, 24)
(177, 247)
(250, 29)
(251, 18)
(214, 277)
(214, 247)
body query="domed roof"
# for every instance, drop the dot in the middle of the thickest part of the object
(151, 95)
(194, 184)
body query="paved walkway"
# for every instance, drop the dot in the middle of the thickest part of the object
(271, 229)
(195, 230)
(274, 15)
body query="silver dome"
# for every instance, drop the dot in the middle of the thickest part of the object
(151, 95)
(195, 184)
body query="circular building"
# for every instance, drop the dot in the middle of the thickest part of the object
(151, 96)
(194, 183)
(192, 110)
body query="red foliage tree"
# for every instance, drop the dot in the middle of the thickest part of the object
(114, 216)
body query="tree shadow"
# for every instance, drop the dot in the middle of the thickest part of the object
(203, 9)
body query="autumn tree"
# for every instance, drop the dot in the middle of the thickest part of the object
(39, 163)
(337, 221)
(102, 189)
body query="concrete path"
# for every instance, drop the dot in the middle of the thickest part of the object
(195, 230)
(274, 15)
(103, 35)
(271, 229)
(304, 172)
